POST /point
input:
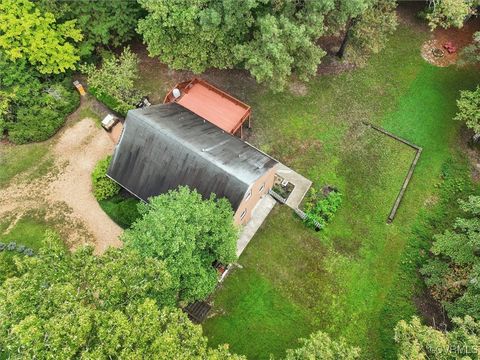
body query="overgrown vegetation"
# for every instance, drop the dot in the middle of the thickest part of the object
(321, 208)
(103, 186)
(113, 82)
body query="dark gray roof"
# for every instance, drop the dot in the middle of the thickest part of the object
(165, 146)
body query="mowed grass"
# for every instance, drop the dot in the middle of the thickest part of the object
(342, 280)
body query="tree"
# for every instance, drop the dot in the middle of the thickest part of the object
(469, 109)
(271, 39)
(453, 273)
(279, 46)
(471, 53)
(343, 16)
(27, 33)
(320, 346)
(370, 32)
(114, 82)
(195, 35)
(450, 13)
(189, 234)
(417, 341)
(76, 305)
(102, 22)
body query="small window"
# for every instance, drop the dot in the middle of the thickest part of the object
(261, 187)
(242, 215)
(248, 194)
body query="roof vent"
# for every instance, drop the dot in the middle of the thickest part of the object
(176, 93)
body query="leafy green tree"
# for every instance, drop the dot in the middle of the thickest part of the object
(469, 109)
(27, 33)
(271, 39)
(471, 53)
(102, 22)
(417, 341)
(453, 273)
(114, 82)
(449, 13)
(189, 234)
(62, 305)
(343, 16)
(370, 32)
(279, 46)
(320, 346)
(195, 35)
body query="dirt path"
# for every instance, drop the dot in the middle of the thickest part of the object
(67, 194)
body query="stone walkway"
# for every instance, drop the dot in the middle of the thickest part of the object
(260, 213)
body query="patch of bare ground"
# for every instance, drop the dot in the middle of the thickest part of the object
(431, 311)
(64, 196)
(433, 50)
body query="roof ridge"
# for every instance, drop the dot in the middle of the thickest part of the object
(185, 144)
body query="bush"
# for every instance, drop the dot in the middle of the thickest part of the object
(32, 110)
(103, 187)
(43, 118)
(321, 208)
(122, 210)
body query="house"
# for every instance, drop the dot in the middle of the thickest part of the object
(168, 145)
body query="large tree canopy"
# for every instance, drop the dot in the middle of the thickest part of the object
(469, 109)
(320, 346)
(272, 39)
(27, 33)
(417, 341)
(189, 234)
(453, 273)
(62, 305)
(102, 22)
(450, 13)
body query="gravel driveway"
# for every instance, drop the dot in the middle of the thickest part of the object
(68, 194)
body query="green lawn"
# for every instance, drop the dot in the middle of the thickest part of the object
(15, 159)
(28, 231)
(343, 280)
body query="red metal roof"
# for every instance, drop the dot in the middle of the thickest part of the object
(212, 104)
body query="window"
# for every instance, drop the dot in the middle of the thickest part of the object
(248, 195)
(242, 215)
(261, 187)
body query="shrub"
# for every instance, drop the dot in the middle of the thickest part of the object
(44, 117)
(103, 187)
(321, 208)
(32, 110)
(122, 210)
